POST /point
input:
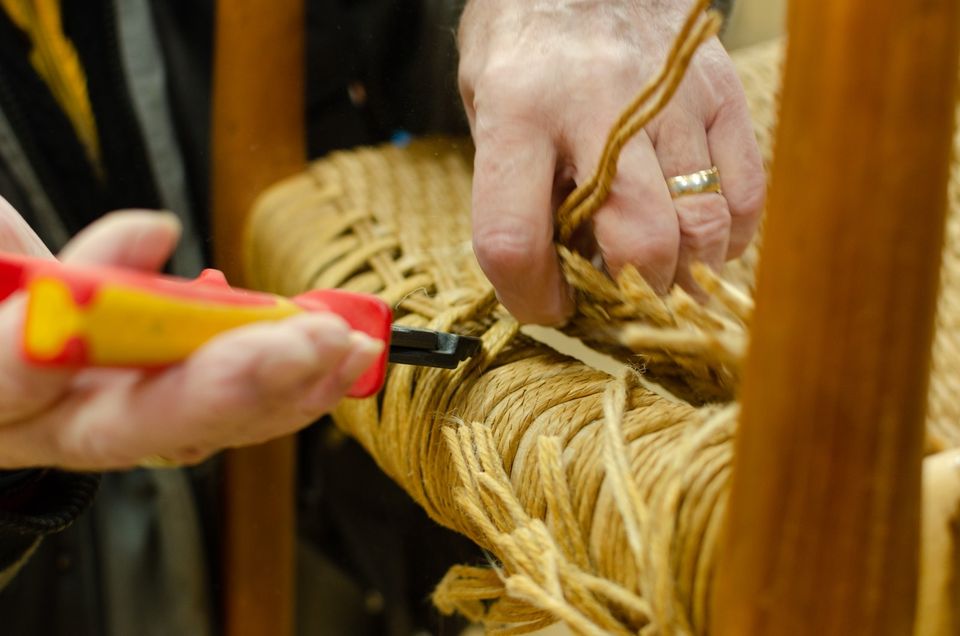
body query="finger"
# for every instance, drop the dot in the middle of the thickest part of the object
(136, 239)
(16, 236)
(466, 96)
(513, 219)
(246, 386)
(637, 223)
(704, 219)
(734, 149)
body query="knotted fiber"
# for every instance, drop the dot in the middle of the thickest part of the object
(599, 497)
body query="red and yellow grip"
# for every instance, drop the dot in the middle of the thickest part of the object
(108, 317)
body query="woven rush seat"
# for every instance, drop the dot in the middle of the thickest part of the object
(600, 496)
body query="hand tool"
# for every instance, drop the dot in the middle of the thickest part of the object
(85, 316)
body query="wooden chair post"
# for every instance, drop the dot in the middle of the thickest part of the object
(258, 138)
(822, 529)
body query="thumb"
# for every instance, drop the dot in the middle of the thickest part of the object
(137, 239)
(16, 236)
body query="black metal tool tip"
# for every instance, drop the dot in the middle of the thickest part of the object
(427, 348)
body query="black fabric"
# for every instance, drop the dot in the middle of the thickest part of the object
(39, 504)
(366, 524)
(91, 26)
(11, 190)
(185, 30)
(333, 65)
(58, 591)
(13, 549)
(398, 59)
(57, 499)
(45, 133)
(12, 480)
(375, 46)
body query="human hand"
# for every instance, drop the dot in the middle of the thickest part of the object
(542, 83)
(244, 387)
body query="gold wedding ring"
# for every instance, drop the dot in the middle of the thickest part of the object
(695, 183)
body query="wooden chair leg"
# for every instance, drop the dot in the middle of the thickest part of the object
(823, 518)
(258, 139)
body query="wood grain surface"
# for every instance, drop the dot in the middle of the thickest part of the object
(823, 520)
(258, 139)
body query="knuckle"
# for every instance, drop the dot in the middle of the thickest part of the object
(652, 251)
(513, 81)
(503, 83)
(661, 131)
(705, 225)
(84, 447)
(719, 78)
(77, 446)
(677, 122)
(618, 65)
(506, 248)
(726, 85)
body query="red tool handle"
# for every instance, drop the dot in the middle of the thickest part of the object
(103, 316)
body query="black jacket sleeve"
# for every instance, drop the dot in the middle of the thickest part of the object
(35, 503)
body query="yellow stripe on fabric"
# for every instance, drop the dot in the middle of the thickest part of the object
(56, 61)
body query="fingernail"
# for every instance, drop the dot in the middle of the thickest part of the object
(328, 335)
(170, 218)
(166, 217)
(362, 343)
(363, 353)
(325, 329)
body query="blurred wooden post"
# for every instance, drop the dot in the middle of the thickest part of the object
(822, 529)
(258, 138)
